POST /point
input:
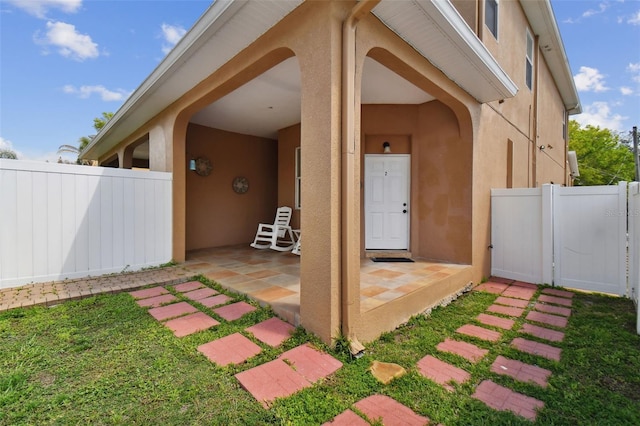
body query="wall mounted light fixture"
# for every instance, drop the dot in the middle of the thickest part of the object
(386, 147)
(192, 165)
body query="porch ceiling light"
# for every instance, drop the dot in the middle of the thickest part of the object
(386, 147)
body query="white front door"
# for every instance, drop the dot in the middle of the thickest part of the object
(386, 200)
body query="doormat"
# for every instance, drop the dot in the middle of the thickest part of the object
(391, 259)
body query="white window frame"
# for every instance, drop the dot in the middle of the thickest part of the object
(528, 61)
(298, 178)
(492, 30)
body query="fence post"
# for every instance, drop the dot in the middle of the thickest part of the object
(622, 226)
(547, 234)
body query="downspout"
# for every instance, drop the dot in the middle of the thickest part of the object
(350, 243)
(534, 136)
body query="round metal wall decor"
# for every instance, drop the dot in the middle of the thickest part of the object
(203, 166)
(240, 185)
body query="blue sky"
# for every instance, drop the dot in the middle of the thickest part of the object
(64, 62)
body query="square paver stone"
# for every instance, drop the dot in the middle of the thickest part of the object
(210, 302)
(234, 311)
(232, 349)
(468, 351)
(273, 331)
(312, 364)
(537, 348)
(495, 321)
(554, 320)
(274, 379)
(347, 418)
(388, 411)
(543, 333)
(521, 371)
(441, 372)
(148, 292)
(559, 293)
(188, 286)
(154, 302)
(504, 399)
(479, 332)
(201, 293)
(190, 324)
(171, 311)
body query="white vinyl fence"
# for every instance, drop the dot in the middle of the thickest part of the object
(578, 237)
(61, 221)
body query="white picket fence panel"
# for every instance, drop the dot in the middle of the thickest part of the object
(566, 236)
(590, 238)
(60, 221)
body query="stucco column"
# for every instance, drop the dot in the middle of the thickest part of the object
(319, 56)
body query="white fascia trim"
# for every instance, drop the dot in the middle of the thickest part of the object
(213, 18)
(459, 32)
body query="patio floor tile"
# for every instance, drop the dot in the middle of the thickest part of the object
(519, 292)
(549, 309)
(520, 371)
(506, 310)
(232, 349)
(274, 379)
(495, 321)
(525, 285)
(210, 302)
(389, 412)
(190, 324)
(555, 300)
(501, 280)
(273, 331)
(479, 332)
(234, 311)
(312, 364)
(509, 301)
(466, 350)
(559, 293)
(201, 293)
(170, 311)
(504, 399)
(554, 320)
(542, 333)
(441, 372)
(154, 302)
(491, 287)
(148, 292)
(347, 418)
(537, 348)
(188, 286)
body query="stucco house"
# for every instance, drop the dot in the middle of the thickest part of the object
(301, 97)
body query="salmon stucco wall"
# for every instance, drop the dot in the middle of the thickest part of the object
(216, 216)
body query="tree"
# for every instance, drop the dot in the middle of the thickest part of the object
(7, 153)
(604, 157)
(84, 141)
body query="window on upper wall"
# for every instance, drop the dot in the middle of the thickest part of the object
(298, 179)
(491, 16)
(529, 62)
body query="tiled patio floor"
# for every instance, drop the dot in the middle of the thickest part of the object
(273, 278)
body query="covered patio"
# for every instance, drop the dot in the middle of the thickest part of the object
(273, 278)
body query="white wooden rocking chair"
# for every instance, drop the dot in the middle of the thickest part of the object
(277, 235)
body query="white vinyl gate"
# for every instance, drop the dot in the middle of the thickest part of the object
(566, 236)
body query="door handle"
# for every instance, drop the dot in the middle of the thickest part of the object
(404, 211)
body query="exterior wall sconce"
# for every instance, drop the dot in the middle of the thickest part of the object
(192, 165)
(386, 147)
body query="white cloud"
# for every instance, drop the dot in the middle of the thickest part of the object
(590, 80)
(602, 7)
(172, 35)
(39, 8)
(634, 69)
(70, 43)
(635, 19)
(105, 94)
(626, 90)
(599, 114)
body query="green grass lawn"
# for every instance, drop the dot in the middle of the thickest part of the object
(104, 360)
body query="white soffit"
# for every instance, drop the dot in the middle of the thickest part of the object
(437, 31)
(543, 23)
(226, 28)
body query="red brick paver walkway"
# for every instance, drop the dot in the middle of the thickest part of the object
(441, 372)
(521, 371)
(466, 350)
(389, 412)
(501, 398)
